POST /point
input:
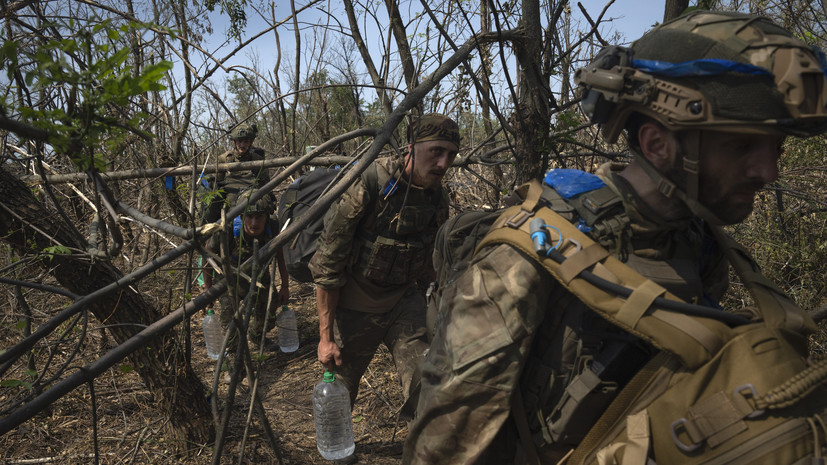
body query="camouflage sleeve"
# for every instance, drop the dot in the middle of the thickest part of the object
(336, 241)
(264, 174)
(223, 157)
(488, 319)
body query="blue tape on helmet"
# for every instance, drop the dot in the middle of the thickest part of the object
(702, 67)
(568, 182)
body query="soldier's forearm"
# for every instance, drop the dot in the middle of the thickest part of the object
(326, 302)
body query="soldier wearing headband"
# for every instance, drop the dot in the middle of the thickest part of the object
(376, 244)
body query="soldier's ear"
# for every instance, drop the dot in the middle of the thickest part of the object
(657, 144)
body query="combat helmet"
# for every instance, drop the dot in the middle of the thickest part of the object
(262, 205)
(244, 131)
(707, 70)
(710, 70)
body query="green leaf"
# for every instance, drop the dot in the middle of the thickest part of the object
(15, 383)
(56, 250)
(358, 418)
(127, 368)
(32, 373)
(21, 324)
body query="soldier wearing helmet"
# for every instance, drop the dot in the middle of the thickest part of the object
(251, 230)
(227, 184)
(521, 367)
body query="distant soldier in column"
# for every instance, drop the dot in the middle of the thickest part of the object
(253, 225)
(227, 184)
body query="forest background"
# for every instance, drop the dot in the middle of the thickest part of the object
(111, 112)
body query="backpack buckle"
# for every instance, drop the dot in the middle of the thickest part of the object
(688, 448)
(519, 218)
(739, 391)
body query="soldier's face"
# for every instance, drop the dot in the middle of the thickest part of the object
(254, 223)
(427, 162)
(733, 168)
(242, 145)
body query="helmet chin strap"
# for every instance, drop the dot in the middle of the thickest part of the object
(691, 165)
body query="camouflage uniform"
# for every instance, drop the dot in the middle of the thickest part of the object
(682, 92)
(505, 309)
(233, 182)
(374, 250)
(241, 249)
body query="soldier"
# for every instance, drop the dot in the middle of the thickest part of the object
(376, 243)
(254, 225)
(233, 182)
(521, 368)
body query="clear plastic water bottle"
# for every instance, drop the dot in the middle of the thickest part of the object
(331, 413)
(213, 334)
(288, 330)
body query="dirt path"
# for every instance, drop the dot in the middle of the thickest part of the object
(130, 428)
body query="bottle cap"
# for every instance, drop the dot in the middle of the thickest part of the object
(210, 312)
(328, 377)
(284, 308)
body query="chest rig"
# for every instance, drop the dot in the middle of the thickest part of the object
(396, 236)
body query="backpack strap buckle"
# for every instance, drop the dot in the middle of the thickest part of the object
(739, 392)
(519, 218)
(688, 448)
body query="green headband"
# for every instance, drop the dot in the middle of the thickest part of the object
(436, 127)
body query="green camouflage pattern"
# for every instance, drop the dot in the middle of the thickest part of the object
(402, 330)
(241, 250)
(233, 182)
(244, 131)
(370, 313)
(434, 126)
(240, 180)
(487, 322)
(342, 252)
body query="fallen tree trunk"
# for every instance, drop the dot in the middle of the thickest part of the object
(30, 228)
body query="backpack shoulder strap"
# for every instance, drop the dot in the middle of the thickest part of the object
(775, 307)
(370, 177)
(694, 339)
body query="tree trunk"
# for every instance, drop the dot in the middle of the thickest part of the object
(531, 121)
(161, 364)
(674, 8)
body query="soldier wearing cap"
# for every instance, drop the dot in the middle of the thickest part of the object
(252, 229)
(230, 183)
(521, 367)
(376, 244)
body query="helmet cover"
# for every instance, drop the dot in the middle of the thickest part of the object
(710, 70)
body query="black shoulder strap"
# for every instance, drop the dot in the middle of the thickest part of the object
(370, 177)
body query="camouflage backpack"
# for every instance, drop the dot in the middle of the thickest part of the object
(723, 389)
(730, 391)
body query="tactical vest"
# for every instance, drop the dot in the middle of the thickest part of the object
(593, 341)
(241, 249)
(227, 185)
(234, 181)
(396, 236)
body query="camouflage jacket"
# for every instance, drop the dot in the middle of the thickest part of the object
(241, 249)
(504, 310)
(375, 245)
(238, 180)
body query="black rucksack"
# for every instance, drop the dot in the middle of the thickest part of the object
(298, 197)
(456, 241)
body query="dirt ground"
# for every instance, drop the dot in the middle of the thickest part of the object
(130, 429)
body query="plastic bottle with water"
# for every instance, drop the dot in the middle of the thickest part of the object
(331, 413)
(288, 330)
(213, 334)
